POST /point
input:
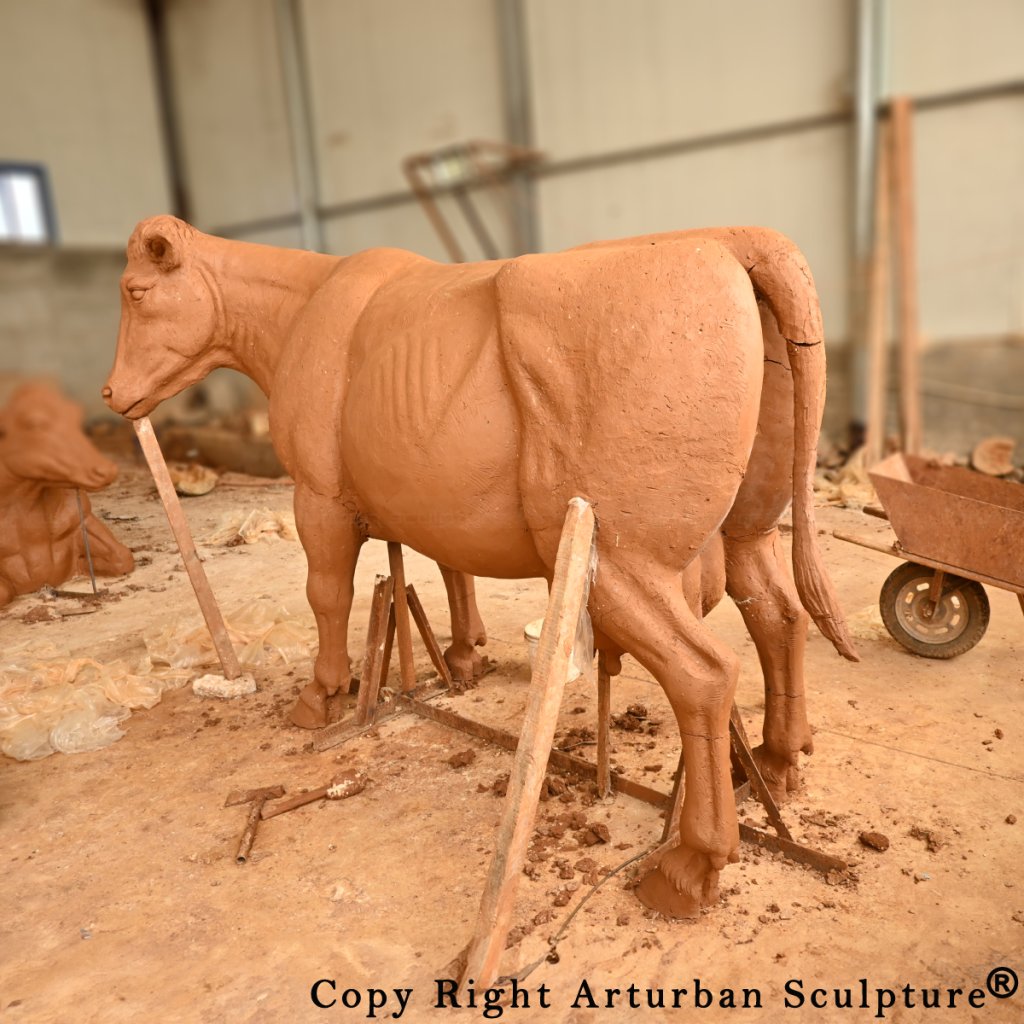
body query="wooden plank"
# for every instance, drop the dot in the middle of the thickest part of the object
(791, 850)
(427, 634)
(376, 639)
(569, 587)
(906, 276)
(406, 666)
(675, 806)
(878, 309)
(341, 732)
(604, 722)
(557, 759)
(190, 559)
(389, 643)
(741, 746)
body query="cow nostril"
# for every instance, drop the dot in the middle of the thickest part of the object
(107, 392)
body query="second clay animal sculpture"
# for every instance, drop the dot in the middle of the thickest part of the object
(457, 409)
(44, 458)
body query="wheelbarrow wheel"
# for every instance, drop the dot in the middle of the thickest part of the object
(942, 630)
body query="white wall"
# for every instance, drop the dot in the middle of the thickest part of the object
(231, 110)
(78, 96)
(609, 75)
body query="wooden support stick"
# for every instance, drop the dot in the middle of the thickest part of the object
(878, 310)
(554, 651)
(179, 527)
(741, 745)
(376, 641)
(427, 635)
(405, 663)
(906, 290)
(604, 717)
(675, 807)
(389, 643)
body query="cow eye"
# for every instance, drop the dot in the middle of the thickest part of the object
(137, 293)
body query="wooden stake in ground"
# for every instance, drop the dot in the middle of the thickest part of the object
(604, 715)
(551, 669)
(878, 310)
(906, 269)
(376, 644)
(402, 629)
(179, 527)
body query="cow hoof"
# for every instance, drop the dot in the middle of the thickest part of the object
(310, 710)
(465, 664)
(780, 774)
(680, 886)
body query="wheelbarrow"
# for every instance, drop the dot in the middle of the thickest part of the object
(956, 530)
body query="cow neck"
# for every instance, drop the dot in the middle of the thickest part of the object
(17, 493)
(259, 291)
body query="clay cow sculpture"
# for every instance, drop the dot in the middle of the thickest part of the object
(457, 409)
(44, 458)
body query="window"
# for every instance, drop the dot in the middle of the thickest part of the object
(26, 213)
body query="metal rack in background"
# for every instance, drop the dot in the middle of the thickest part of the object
(459, 171)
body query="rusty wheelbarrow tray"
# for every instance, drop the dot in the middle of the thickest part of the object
(957, 530)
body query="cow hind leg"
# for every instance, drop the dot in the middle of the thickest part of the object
(759, 581)
(462, 658)
(643, 610)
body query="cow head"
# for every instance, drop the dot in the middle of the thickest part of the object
(41, 441)
(168, 319)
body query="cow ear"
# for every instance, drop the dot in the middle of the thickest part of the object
(161, 250)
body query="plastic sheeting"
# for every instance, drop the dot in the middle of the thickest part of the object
(69, 706)
(259, 524)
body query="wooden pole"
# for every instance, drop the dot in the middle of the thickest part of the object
(877, 320)
(429, 640)
(551, 669)
(604, 716)
(741, 745)
(179, 527)
(376, 642)
(906, 280)
(402, 629)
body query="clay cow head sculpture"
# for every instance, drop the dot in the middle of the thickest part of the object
(44, 458)
(167, 309)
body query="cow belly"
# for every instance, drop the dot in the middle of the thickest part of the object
(437, 469)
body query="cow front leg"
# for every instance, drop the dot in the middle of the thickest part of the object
(463, 660)
(332, 539)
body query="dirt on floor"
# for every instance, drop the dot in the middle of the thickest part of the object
(122, 900)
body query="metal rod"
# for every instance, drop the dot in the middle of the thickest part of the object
(85, 539)
(300, 128)
(515, 80)
(869, 44)
(476, 224)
